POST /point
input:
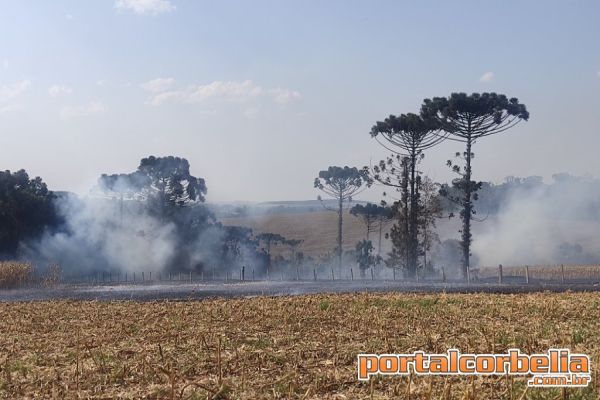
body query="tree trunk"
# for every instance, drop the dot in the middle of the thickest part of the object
(467, 210)
(425, 247)
(162, 201)
(380, 232)
(405, 200)
(413, 232)
(339, 237)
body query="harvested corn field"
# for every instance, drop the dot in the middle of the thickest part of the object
(302, 347)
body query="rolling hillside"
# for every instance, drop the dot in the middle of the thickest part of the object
(318, 229)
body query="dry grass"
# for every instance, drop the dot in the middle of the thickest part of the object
(295, 348)
(546, 272)
(317, 229)
(13, 274)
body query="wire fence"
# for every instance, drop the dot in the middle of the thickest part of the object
(500, 275)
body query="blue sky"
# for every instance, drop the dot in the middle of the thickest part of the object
(260, 96)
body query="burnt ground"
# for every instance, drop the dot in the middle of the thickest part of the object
(199, 290)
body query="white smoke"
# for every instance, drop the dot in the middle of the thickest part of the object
(97, 236)
(543, 225)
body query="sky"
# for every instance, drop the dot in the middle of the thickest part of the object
(260, 96)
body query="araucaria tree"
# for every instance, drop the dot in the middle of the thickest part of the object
(369, 213)
(341, 184)
(407, 136)
(467, 118)
(168, 183)
(374, 218)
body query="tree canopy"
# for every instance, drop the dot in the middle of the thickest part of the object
(26, 209)
(473, 116)
(170, 178)
(370, 214)
(408, 133)
(123, 184)
(341, 182)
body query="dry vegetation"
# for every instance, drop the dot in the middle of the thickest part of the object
(318, 229)
(13, 274)
(545, 272)
(295, 348)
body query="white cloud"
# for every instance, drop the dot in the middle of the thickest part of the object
(13, 90)
(230, 91)
(92, 109)
(487, 77)
(284, 96)
(158, 85)
(152, 7)
(59, 90)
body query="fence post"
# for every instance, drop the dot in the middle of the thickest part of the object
(315, 274)
(150, 276)
(527, 274)
(190, 276)
(143, 278)
(372, 274)
(282, 276)
(443, 275)
(180, 276)
(252, 274)
(394, 273)
(562, 273)
(243, 273)
(500, 277)
(468, 276)
(417, 275)
(351, 274)
(297, 273)
(332, 276)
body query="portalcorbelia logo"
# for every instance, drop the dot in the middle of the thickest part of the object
(557, 367)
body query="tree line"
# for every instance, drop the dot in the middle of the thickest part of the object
(412, 202)
(161, 188)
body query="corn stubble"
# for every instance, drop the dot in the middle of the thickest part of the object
(301, 347)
